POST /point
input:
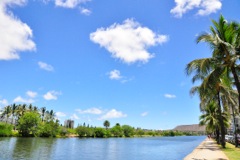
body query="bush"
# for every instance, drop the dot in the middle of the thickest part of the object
(100, 132)
(63, 131)
(5, 130)
(48, 129)
(128, 130)
(81, 131)
(28, 124)
(117, 131)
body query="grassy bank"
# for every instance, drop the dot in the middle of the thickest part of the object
(231, 152)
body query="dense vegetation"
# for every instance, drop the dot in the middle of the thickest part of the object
(219, 78)
(26, 120)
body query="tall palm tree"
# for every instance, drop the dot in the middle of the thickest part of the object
(210, 118)
(213, 79)
(43, 110)
(14, 110)
(51, 115)
(7, 111)
(30, 107)
(224, 40)
(106, 124)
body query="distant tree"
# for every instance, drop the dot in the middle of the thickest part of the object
(48, 129)
(128, 130)
(28, 124)
(106, 124)
(99, 132)
(117, 131)
(43, 110)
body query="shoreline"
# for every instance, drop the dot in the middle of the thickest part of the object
(207, 150)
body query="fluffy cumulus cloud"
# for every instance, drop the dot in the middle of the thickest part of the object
(85, 11)
(16, 36)
(45, 66)
(20, 99)
(128, 41)
(69, 3)
(115, 74)
(205, 7)
(169, 96)
(31, 94)
(113, 114)
(90, 111)
(51, 95)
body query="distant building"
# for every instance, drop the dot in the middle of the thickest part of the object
(194, 128)
(69, 123)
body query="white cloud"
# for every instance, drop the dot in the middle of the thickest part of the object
(45, 66)
(16, 36)
(90, 111)
(169, 96)
(69, 3)
(31, 94)
(115, 74)
(205, 7)
(3, 102)
(113, 114)
(210, 6)
(85, 11)
(128, 41)
(19, 99)
(51, 95)
(74, 116)
(60, 114)
(144, 114)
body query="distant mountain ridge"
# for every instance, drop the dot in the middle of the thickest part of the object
(190, 128)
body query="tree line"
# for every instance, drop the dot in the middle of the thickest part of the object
(219, 78)
(27, 120)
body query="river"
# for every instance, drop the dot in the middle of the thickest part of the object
(151, 148)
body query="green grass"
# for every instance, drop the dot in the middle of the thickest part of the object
(231, 152)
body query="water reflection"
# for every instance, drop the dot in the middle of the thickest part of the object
(155, 148)
(26, 148)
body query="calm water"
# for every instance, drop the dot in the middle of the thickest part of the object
(154, 148)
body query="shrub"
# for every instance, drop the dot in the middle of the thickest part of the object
(48, 129)
(5, 130)
(28, 124)
(99, 132)
(128, 130)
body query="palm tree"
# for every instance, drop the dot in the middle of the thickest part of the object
(106, 124)
(43, 110)
(212, 87)
(30, 107)
(7, 111)
(210, 118)
(224, 39)
(14, 110)
(35, 109)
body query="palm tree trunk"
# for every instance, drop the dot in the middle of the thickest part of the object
(237, 83)
(222, 128)
(217, 135)
(234, 123)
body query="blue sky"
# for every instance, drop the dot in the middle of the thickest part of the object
(92, 60)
